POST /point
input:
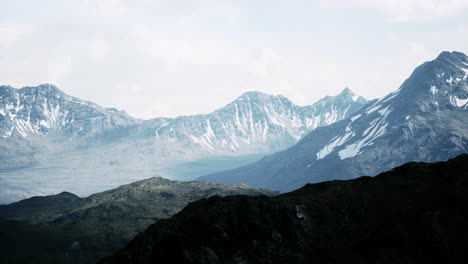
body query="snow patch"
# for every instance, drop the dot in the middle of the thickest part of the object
(433, 90)
(449, 81)
(355, 148)
(385, 111)
(332, 144)
(331, 117)
(459, 102)
(373, 109)
(72, 100)
(376, 129)
(44, 123)
(355, 117)
(466, 73)
(157, 130)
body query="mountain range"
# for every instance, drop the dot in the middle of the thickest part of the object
(426, 119)
(51, 142)
(415, 213)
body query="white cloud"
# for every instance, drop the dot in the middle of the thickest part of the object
(57, 70)
(10, 34)
(408, 10)
(167, 58)
(99, 48)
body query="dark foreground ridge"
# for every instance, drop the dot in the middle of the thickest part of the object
(416, 213)
(64, 228)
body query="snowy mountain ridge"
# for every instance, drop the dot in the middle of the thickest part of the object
(426, 119)
(51, 142)
(444, 89)
(37, 110)
(256, 119)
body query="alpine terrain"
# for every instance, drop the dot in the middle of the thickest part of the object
(415, 213)
(426, 119)
(51, 142)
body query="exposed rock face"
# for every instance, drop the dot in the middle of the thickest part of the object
(258, 122)
(426, 119)
(252, 119)
(75, 230)
(45, 108)
(415, 213)
(46, 134)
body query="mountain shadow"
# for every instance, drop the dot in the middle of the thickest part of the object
(416, 213)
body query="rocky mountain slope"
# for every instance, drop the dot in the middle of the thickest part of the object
(51, 142)
(256, 120)
(426, 119)
(253, 119)
(70, 229)
(29, 114)
(415, 213)
(45, 108)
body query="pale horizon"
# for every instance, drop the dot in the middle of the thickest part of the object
(158, 59)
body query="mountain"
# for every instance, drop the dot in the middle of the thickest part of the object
(415, 213)
(426, 119)
(51, 142)
(38, 110)
(252, 120)
(64, 228)
(28, 113)
(256, 120)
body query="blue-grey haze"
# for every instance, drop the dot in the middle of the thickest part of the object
(52, 142)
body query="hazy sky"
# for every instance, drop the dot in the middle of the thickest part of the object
(176, 57)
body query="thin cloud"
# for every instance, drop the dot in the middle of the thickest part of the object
(408, 10)
(169, 58)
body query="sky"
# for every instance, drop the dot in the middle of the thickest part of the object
(156, 58)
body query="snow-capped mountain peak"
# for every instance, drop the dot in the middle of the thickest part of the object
(434, 86)
(424, 120)
(256, 122)
(41, 109)
(51, 135)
